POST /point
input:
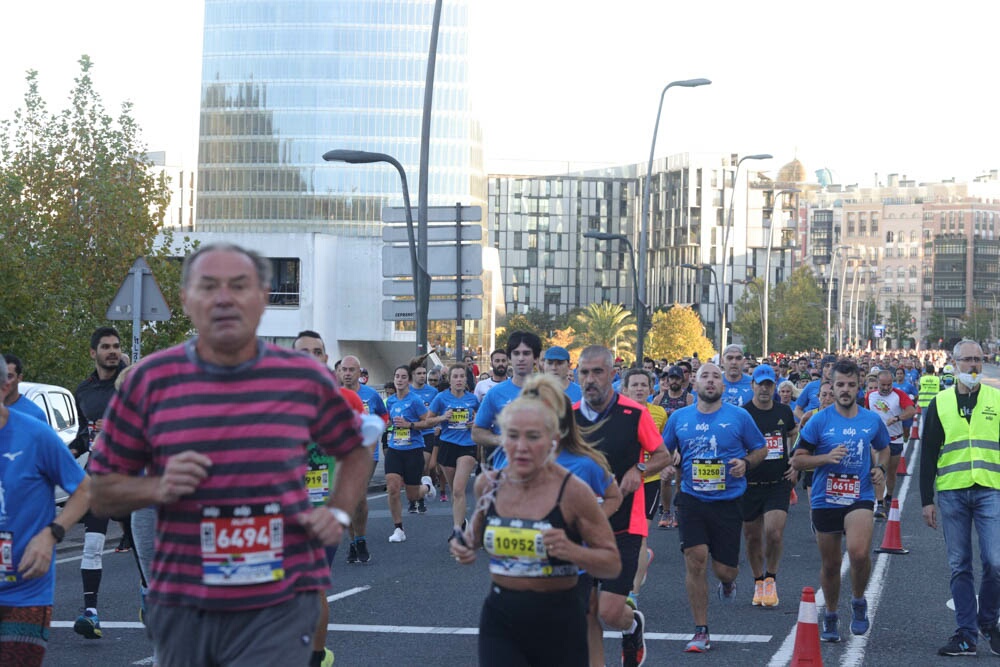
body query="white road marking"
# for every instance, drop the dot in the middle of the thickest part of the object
(69, 559)
(429, 630)
(377, 496)
(347, 593)
(144, 661)
(855, 652)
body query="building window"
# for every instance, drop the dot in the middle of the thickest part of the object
(284, 282)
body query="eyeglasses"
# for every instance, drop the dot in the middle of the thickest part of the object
(970, 360)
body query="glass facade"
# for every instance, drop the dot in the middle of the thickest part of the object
(284, 82)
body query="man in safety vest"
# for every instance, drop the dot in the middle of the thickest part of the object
(961, 461)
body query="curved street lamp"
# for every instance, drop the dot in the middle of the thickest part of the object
(725, 235)
(775, 206)
(419, 271)
(644, 226)
(711, 269)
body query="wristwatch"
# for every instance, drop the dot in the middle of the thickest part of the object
(57, 531)
(342, 517)
(641, 467)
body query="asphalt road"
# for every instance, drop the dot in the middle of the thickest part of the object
(413, 605)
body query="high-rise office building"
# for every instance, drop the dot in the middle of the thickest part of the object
(285, 81)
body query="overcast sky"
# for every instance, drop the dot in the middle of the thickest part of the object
(860, 87)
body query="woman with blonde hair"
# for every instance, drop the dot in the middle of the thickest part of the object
(541, 525)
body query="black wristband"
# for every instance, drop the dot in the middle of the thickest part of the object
(57, 531)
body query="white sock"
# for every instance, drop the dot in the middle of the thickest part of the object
(635, 624)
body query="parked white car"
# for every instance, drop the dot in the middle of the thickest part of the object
(59, 406)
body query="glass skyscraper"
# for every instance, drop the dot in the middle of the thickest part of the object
(284, 81)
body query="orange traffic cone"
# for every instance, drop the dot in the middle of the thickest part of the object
(901, 468)
(807, 632)
(794, 498)
(891, 542)
(915, 429)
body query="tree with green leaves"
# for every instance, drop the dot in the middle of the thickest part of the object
(977, 325)
(676, 333)
(747, 320)
(518, 322)
(899, 322)
(607, 324)
(78, 205)
(797, 315)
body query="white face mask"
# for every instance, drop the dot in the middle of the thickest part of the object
(970, 380)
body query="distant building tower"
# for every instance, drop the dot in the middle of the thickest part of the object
(284, 82)
(824, 176)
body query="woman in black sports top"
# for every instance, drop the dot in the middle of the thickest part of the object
(540, 524)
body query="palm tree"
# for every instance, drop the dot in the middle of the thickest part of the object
(607, 324)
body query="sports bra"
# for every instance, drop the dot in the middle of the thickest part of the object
(515, 545)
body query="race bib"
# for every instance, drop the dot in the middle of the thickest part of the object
(515, 542)
(459, 419)
(7, 570)
(242, 545)
(708, 475)
(843, 489)
(318, 483)
(401, 436)
(775, 447)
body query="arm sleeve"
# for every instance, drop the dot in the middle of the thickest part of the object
(931, 441)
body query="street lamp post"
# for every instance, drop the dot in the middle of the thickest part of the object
(725, 237)
(718, 296)
(639, 305)
(644, 226)
(748, 283)
(420, 278)
(775, 211)
(829, 292)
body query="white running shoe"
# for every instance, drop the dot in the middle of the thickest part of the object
(397, 536)
(431, 491)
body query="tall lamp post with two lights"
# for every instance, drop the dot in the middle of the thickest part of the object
(725, 237)
(644, 227)
(776, 210)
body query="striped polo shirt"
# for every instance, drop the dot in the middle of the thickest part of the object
(254, 422)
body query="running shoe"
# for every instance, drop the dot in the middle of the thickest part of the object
(992, 635)
(758, 592)
(431, 490)
(649, 561)
(830, 631)
(88, 625)
(363, 555)
(958, 645)
(727, 593)
(880, 513)
(699, 644)
(412, 509)
(421, 507)
(352, 553)
(397, 536)
(327, 658)
(770, 598)
(124, 545)
(666, 519)
(631, 601)
(142, 604)
(859, 616)
(444, 496)
(634, 644)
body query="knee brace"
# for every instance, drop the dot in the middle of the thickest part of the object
(93, 545)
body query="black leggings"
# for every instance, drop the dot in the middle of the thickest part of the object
(529, 629)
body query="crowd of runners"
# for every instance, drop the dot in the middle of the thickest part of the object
(569, 467)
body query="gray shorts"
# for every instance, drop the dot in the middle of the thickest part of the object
(278, 635)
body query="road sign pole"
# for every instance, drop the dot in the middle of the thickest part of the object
(459, 323)
(137, 277)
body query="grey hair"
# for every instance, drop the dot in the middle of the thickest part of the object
(964, 341)
(262, 264)
(599, 351)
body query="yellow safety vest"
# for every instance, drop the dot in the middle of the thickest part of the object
(929, 386)
(971, 451)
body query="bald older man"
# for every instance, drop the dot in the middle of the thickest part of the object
(349, 373)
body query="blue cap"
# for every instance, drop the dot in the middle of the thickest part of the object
(764, 373)
(556, 353)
